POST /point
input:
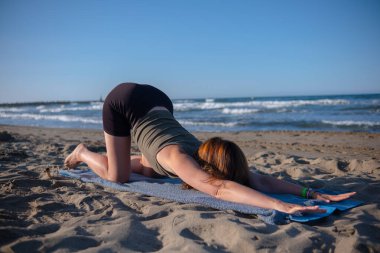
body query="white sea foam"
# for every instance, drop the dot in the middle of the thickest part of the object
(286, 110)
(217, 124)
(351, 123)
(11, 109)
(97, 103)
(239, 111)
(210, 105)
(295, 103)
(62, 108)
(63, 118)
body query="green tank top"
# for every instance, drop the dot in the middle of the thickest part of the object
(158, 129)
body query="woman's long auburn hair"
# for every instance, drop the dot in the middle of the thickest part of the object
(223, 159)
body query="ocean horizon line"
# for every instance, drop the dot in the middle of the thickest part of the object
(46, 102)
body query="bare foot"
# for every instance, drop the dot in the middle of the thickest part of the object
(73, 160)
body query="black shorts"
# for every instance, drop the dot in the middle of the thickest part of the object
(127, 103)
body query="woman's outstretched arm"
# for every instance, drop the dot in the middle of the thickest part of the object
(191, 173)
(270, 184)
(265, 183)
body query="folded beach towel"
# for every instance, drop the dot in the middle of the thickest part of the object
(170, 188)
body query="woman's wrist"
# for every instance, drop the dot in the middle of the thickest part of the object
(308, 193)
(315, 195)
(280, 206)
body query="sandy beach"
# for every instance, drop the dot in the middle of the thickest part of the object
(41, 211)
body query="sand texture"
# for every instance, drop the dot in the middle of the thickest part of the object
(41, 211)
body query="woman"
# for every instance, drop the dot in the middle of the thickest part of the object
(216, 167)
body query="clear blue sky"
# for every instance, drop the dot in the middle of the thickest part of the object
(79, 50)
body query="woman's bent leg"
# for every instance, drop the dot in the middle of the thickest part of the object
(115, 166)
(118, 158)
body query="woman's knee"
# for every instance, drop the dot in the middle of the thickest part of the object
(119, 178)
(118, 156)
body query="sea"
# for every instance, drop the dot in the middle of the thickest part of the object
(358, 113)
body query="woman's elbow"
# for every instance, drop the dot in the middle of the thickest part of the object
(220, 190)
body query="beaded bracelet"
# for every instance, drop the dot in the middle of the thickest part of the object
(309, 193)
(303, 192)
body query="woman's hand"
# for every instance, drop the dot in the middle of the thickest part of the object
(293, 208)
(327, 197)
